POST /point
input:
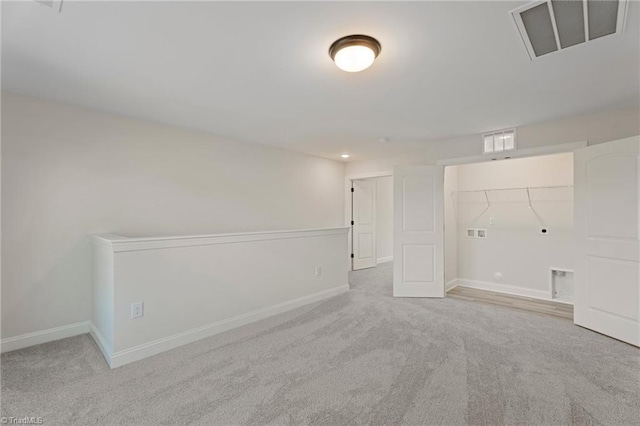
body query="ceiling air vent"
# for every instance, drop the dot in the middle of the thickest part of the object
(53, 4)
(552, 25)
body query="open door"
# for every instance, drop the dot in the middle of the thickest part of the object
(418, 231)
(607, 222)
(364, 224)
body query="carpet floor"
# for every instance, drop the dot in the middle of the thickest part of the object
(359, 358)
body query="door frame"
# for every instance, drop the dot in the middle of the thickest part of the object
(481, 158)
(523, 153)
(517, 153)
(348, 208)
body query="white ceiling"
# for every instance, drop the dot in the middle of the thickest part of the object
(260, 72)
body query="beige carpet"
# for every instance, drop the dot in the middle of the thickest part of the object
(359, 358)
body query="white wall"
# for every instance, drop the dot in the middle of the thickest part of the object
(594, 128)
(195, 287)
(384, 218)
(546, 170)
(69, 171)
(513, 245)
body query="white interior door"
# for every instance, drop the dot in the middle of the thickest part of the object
(607, 221)
(418, 231)
(364, 224)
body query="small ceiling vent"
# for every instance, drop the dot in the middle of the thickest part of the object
(552, 25)
(53, 4)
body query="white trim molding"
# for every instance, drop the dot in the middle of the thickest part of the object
(45, 336)
(384, 259)
(371, 175)
(516, 153)
(348, 182)
(451, 285)
(119, 243)
(105, 349)
(500, 288)
(139, 352)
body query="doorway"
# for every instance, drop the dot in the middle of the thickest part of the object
(605, 242)
(509, 227)
(370, 215)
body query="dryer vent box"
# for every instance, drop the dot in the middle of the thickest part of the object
(562, 285)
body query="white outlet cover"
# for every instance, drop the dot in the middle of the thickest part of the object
(137, 310)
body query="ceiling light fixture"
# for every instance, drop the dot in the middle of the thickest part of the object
(354, 53)
(345, 156)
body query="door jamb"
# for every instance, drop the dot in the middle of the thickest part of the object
(348, 207)
(524, 153)
(518, 153)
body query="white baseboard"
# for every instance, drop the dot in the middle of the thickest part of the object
(502, 288)
(451, 285)
(145, 350)
(102, 343)
(385, 259)
(44, 336)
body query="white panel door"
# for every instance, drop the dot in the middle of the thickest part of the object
(418, 231)
(607, 222)
(364, 224)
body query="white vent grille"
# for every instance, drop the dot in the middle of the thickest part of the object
(552, 25)
(503, 140)
(53, 4)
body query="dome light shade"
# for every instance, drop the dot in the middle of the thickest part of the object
(354, 53)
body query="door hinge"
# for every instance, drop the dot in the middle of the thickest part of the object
(352, 223)
(353, 190)
(352, 256)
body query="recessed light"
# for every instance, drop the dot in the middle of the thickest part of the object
(345, 156)
(354, 53)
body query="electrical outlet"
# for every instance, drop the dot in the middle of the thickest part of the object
(137, 310)
(482, 233)
(318, 271)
